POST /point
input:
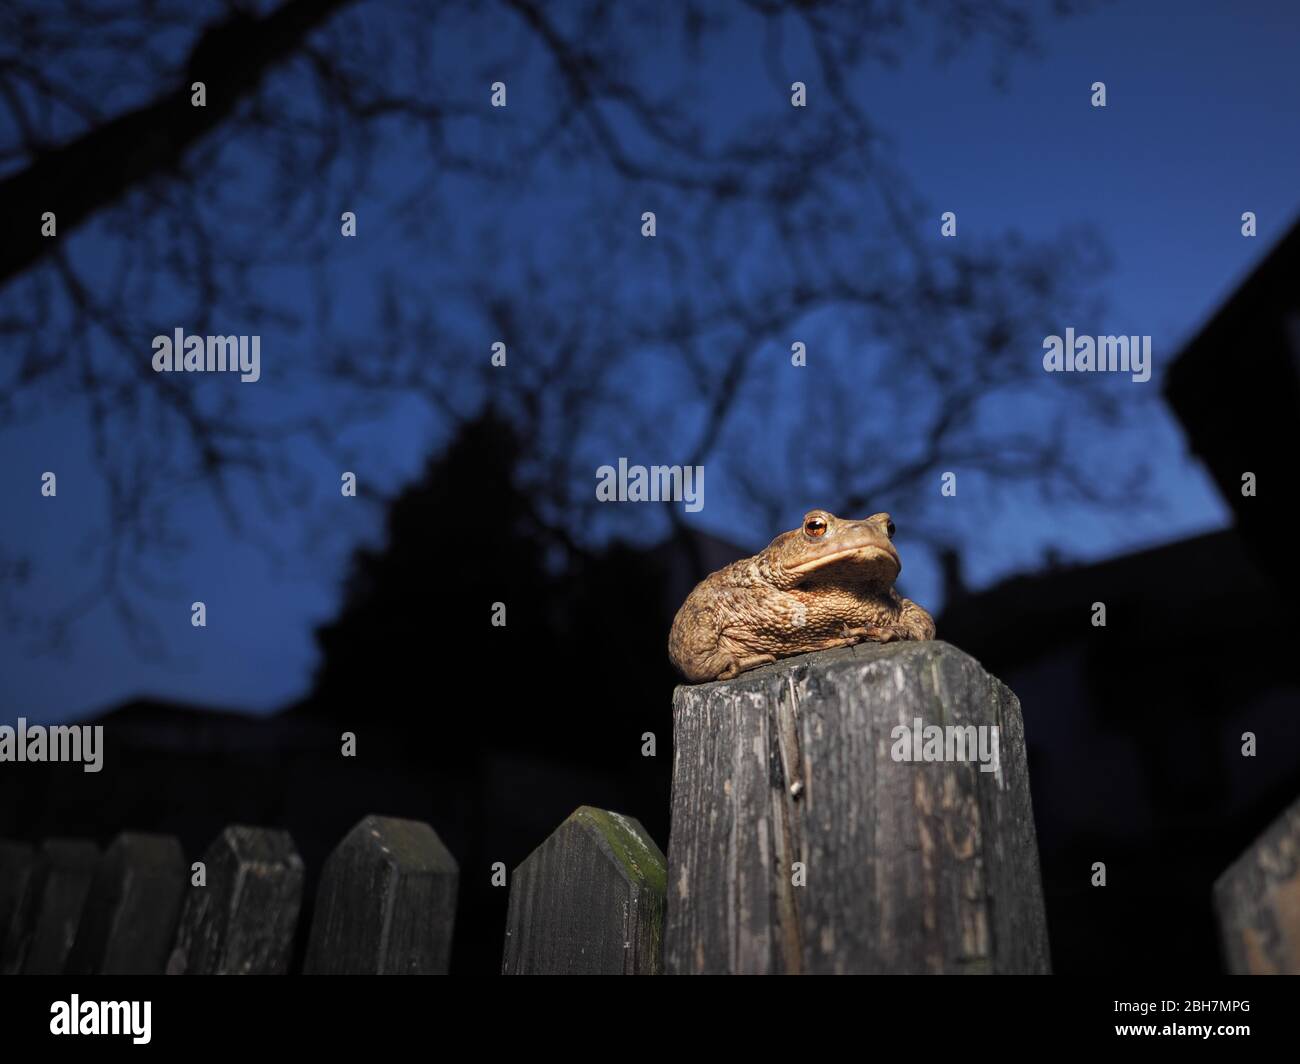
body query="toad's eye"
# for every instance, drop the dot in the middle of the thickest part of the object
(890, 529)
(815, 527)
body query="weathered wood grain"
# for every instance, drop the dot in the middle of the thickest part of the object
(61, 881)
(129, 921)
(386, 904)
(17, 865)
(910, 867)
(588, 901)
(242, 920)
(1257, 901)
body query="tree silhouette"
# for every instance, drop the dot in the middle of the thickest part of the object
(519, 225)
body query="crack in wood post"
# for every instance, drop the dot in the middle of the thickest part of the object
(785, 818)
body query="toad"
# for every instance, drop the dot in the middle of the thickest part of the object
(828, 583)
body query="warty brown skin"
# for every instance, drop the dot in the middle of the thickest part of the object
(828, 583)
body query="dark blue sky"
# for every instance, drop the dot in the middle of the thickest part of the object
(1199, 127)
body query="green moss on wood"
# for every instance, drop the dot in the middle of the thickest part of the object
(630, 845)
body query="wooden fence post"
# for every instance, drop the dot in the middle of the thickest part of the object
(17, 866)
(61, 879)
(129, 921)
(588, 901)
(242, 920)
(386, 904)
(1257, 901)
(801, 843)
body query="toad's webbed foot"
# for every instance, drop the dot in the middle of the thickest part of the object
(867, 633)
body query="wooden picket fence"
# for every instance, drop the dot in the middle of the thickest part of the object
(386, 903)
(799, 844)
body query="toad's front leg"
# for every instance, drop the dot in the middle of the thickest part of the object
(914, 621)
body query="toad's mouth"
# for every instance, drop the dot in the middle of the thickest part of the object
(869, 554)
